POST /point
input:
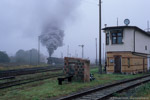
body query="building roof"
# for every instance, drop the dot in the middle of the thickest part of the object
(122, 27)
(148, 32)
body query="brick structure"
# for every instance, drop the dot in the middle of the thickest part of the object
(79, 68)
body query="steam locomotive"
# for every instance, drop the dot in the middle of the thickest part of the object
(55, 60)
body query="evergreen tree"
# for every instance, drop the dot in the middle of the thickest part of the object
(4, 57)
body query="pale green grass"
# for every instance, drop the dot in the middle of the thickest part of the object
(143, 91)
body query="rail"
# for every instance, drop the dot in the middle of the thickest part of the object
(103, 92)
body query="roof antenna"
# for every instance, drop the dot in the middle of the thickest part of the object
(117, 21)
(148, 26)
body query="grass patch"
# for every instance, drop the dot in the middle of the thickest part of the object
(138, 92)
(143, 90)
(50, 88)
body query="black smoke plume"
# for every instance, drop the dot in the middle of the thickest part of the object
(52, 37)
(52, 33)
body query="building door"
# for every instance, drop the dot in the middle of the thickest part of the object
(117, 67)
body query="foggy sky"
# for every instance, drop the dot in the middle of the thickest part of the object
(21, 22)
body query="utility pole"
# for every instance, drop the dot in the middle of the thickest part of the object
(38, 50)
(100, 63)
(96, 50)
(30, 56)
(62, 55)
(68, 51)
(148, 26)
(82, 50)
(103, 55)
(75, 53)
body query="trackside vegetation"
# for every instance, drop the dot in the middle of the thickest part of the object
(143, 90)
(49, 89)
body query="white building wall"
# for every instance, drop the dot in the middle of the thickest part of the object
(127, 42)
(142, 40)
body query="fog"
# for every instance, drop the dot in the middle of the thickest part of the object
(22, 21)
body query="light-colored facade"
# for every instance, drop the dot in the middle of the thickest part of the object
(142, 41)
(127, 40)
(127, 47)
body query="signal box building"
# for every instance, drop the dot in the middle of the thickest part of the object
(127, 49)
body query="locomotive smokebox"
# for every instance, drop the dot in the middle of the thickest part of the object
(49, 61)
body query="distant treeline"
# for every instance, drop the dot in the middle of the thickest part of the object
(23, 57)
(4, 57)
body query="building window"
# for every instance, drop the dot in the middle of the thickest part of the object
(145, 47)
(107, 38)
(117, 38)
(128, 62)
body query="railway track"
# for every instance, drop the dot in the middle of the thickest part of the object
(25, 81)
(14, 82)
(106, 91)
(18, 72)
(12, 73)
